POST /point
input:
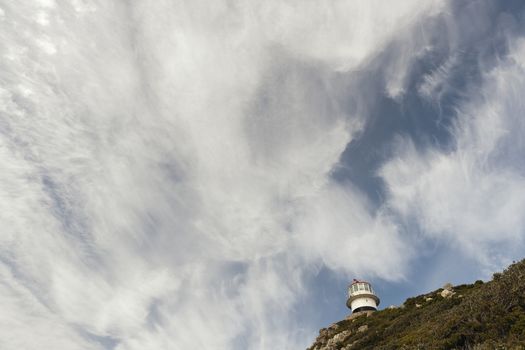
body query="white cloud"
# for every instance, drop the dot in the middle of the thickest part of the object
(472, 197)
(165, 179)
(343, 231)
(27, 323)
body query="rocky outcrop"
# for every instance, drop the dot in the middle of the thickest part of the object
(448, 291)
(330, 339)
(445, 293)
(333, 337)
(362, 328)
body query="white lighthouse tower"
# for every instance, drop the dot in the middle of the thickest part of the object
(361, 297)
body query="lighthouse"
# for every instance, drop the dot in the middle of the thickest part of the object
(361, 297)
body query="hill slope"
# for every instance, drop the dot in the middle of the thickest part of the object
(476, 316)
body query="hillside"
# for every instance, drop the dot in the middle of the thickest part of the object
(475, 316)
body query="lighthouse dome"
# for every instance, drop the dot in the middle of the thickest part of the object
(361, 297)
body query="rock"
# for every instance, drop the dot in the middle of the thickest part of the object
(446, 293)
(349, 346)
(418, 305)
(448, 286)
(429, 299)
(337, 339)
(363, 328)
(341, 337)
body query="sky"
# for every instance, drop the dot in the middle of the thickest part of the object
(212, 174)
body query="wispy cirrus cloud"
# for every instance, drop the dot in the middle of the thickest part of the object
(472, 196)
(169, 169)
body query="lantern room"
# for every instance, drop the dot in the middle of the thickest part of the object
(361, 297)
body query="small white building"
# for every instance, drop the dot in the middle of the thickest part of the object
(361, 297)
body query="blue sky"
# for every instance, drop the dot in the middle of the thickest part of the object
(212, 175)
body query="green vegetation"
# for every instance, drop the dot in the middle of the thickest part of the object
(477, 316)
